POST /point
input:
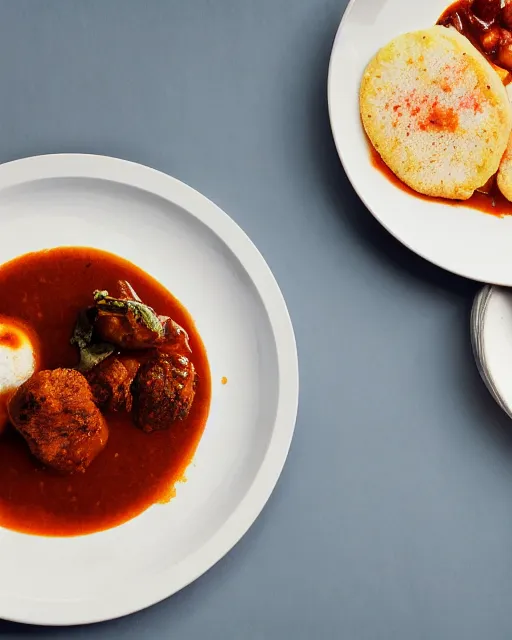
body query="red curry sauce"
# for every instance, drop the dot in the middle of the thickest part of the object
(493, 202)
(135, 470)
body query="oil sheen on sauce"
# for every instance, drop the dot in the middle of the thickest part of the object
(46, 290)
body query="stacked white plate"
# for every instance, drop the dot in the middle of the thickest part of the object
(491, 338)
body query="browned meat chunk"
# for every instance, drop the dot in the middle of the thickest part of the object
(127, 332)
(163, 391)
(111, 382)
(129, 324)
(55, 412)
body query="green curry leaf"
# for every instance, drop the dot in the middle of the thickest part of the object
(90, 354)
(106, 304)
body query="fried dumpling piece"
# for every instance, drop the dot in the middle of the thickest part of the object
(55, 412)
(436, 112)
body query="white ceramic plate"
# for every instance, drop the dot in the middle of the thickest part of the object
(203, 257)
(459, 239)
(493, 352)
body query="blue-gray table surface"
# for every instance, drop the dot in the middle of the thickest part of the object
(393, 516)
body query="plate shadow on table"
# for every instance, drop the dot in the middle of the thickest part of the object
(360, 222)
(472, 392)
(391, 252)
(372, 234)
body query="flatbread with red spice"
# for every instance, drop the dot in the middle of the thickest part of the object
(436, 112)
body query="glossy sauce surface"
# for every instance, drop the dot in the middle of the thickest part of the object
(135, 470)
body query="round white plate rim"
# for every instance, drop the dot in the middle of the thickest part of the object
(360, 193)
(339, 146)
(56, 166)
(478, 343)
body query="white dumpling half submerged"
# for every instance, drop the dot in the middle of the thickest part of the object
(19, 355)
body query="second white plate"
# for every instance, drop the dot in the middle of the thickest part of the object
(459, 239)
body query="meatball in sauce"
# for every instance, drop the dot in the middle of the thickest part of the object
(55, 413)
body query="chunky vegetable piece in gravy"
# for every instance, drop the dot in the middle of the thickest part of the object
(488, 26)
(135, 375)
